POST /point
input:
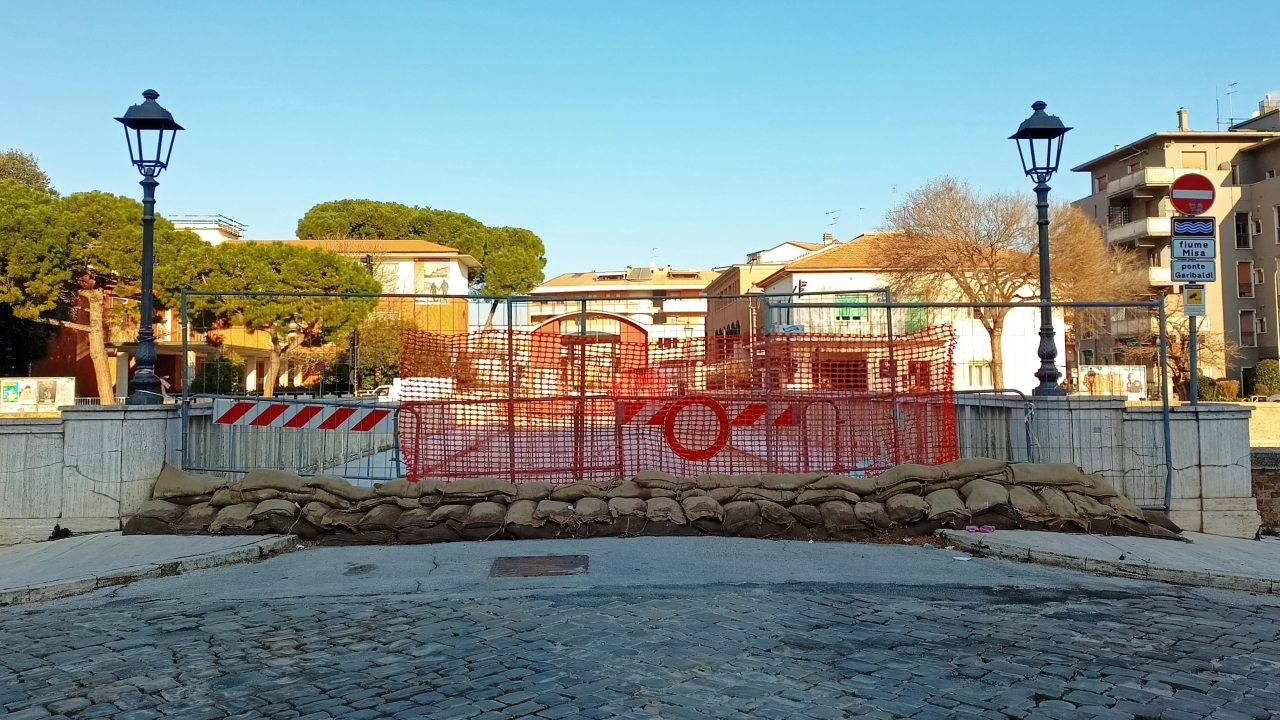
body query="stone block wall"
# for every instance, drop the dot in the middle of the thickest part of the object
(1266, 484)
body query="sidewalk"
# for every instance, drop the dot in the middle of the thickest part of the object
(35, 572)
(1207, 561)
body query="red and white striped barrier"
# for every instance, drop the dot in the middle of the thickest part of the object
(299, 414)
(737, 414)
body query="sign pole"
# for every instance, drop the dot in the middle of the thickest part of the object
(1194, 386)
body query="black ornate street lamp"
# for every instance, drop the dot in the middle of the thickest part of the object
(149, 129)
(1039, 140)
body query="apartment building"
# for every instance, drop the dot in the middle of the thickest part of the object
(1130, 198)
(637, 304)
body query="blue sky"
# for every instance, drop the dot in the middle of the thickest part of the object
(683, 133)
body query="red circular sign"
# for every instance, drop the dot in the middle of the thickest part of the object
(696, 454)
(1192, 194)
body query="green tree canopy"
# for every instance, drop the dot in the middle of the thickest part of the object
(513, 258)
(290, 321)
(22, 168)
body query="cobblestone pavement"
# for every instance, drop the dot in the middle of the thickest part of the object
(736, 651)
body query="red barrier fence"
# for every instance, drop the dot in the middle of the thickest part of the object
(544, 406)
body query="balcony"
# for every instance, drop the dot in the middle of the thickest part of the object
(685, 305)
(619, 307)
(1143, 232)
(1159, 276)
(1146, 178)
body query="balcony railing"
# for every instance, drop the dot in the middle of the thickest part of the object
(1138, 230)
(551, 309)
(1146, 177)
(1159, 276)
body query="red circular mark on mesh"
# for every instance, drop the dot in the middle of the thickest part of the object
(695, 454)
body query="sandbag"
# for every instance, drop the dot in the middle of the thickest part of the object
(257, 496)
(399, 489)
(1134, 527)
(945, 504)
(383, 517)
(1100, 485)
(817, 496)
(425, 536)
(982, 495)
(321, 495)
(592, 510)
(146, 526)
(196, 519)
(1090, 508)
(535, 491)
(521, 512)
(794, 481)
(191, 499)
(281, 480)
(905, 472)
(739, 515)
(1126, 507)
(1157, 517)
(973, 467)
(299, 526)
(1028, 503)
(808, 515)
(1047, 474)
(446, 513)
(747, 481)
(909, 487)
(713, 482)
(778, 496)
(696, 492)
(626, 489)
(225, 496)
(663, 480)
(161, 510)
(624, 506)
(775, 514)
(477, 489)
(576, 491)
(316, 512)
(366, 537)
(547, 508)
(723, 495)
(283, 508)
(701, 506)
(417, 517)
(341, 520)
(903, 509)
(174, 483)
(855, 485)
(485, 515)
(664, 510)
(873, 515)
(233, 516)
(838, 517)
(546, 531)
(1060, 506)
(341, 488)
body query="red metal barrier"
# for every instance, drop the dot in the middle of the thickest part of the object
(527, 406)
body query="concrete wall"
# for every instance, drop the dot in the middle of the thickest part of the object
(1212, 474)
(93, 467)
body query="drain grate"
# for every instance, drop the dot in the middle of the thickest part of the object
(539, 566)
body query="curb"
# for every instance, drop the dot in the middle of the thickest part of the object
(260, 550)
(1134, 570)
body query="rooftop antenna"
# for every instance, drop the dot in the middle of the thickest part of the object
(861, 230)
(1231, 106)
(832, 217)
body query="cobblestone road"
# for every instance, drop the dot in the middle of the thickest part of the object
(778, 651)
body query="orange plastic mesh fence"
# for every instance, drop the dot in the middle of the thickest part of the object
(546, 406)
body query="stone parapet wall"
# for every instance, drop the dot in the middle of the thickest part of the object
(1266, 484)
(907, 499)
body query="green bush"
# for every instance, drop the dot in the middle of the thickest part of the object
(1228, 389)
(1207, 388)
(1260, 389)
(1267, 375)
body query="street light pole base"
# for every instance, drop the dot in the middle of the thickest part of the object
(145, 389)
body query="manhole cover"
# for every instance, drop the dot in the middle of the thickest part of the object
(539, 566)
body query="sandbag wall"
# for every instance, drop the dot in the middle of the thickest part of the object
(906, 500)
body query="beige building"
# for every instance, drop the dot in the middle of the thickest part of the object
(640, 304)
(1130, 199)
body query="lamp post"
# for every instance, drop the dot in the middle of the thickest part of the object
(1039, 139)
(150, 130)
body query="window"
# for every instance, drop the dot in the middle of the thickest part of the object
(1248, 329)
(1244, 279)
(1100, 183)
(1235, 174)
(1271, 174)
(1195, 159)
(980, 374)
(917, 318)
(1135, 167)
(918, 375)
(1257, 227)
(1261, 324)
(1243, 240)
(1276, 212)
(1259, 276)
(851, 307)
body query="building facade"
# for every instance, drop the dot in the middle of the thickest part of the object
(1130, 199)
(656, 303)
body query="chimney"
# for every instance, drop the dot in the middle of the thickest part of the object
(1182, 120)
(828, 238)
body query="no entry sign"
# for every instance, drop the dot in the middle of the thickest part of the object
(1192, 194)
